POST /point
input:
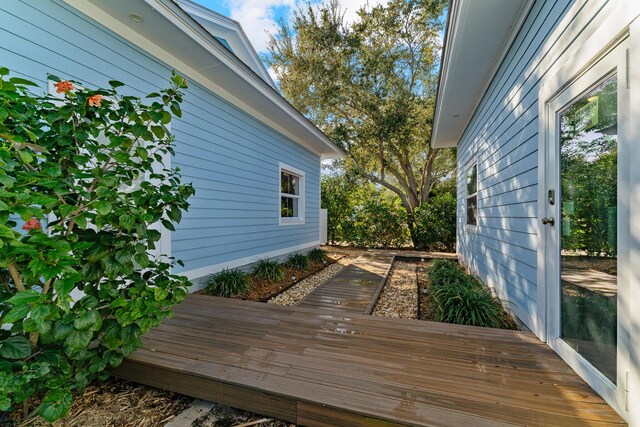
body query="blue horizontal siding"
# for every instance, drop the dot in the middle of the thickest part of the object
(502, 137)
(231, 158)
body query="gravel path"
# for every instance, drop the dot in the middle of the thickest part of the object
(399, 297)
(296, 293)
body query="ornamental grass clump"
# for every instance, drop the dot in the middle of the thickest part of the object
(317, 255)
(266, 269)
(298, 261)
(457, 297)
(228, 283)
(83, 188)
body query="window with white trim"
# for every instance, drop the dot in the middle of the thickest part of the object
(472, 195)
(291, 195)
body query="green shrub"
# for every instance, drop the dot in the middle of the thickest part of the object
(317, 255)
(228, 283)
(435, 224)
(299, 261)
(81, 289)
(269, 270)
(457, 297)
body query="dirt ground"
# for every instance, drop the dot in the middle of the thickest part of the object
(114, 403)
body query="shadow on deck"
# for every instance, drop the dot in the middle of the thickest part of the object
(334, 369)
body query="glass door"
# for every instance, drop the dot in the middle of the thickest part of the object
(584, 221)
(588, 225)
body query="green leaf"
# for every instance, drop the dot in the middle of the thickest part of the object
(26, 156)
(39, 313)
(103, 207)
(17, 347)
(4, 71)
(176, 110)
(61, 330)
(3, 206)
(6, 232)
(16, 313)
(56, 404)
(158, 131)
(23, 82)
(91, 321)
(3, 115)
(6, 180)
(78, 340)
(63, 286)
(115, 84)
(168, 225)
(142, 259)
(24, 298)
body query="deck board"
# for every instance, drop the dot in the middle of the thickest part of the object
(318, 367)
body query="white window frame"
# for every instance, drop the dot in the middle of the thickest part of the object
(471, 164)
(300, 219)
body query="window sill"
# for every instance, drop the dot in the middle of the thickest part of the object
(471, 228)
(291, 221)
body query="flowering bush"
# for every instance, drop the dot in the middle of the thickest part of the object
(80, 282)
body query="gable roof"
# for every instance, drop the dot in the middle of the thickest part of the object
(229, 33)
(478, 36)
(168, 32)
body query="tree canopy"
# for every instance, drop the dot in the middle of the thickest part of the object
(371, 86)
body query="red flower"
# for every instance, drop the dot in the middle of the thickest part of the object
(95, 100)
(63, 86)
(32, 224)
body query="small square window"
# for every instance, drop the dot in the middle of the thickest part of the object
(472, 195)
(291, 196)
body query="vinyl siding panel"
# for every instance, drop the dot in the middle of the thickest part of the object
(231, 158)
(502, 137)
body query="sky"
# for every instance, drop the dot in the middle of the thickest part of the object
(259, 16)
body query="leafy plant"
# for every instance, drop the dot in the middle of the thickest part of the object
(457, 297)
(435, 224)
(299, 261)
(317, 255)
(269, 270)
(228, 283)
(80, 282)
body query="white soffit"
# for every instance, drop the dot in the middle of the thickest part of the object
(479, 34)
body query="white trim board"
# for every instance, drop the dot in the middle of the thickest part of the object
(211, 269)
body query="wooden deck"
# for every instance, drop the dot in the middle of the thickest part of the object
(319, 368)
(356, 288)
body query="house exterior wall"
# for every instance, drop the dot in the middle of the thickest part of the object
(231, 158)
(502, 137)
(507, 138)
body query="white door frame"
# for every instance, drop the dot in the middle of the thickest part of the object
(613, 61)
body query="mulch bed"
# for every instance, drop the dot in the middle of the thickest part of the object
(114, 403)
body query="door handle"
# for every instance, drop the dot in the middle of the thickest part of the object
(550, 221)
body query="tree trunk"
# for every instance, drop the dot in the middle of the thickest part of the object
(412, 228)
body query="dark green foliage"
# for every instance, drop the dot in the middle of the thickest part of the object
(72, 168)
(269, 270)
(299, 261)
(435, 224)
(457, 297)
(228, 283)
(317, 255)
